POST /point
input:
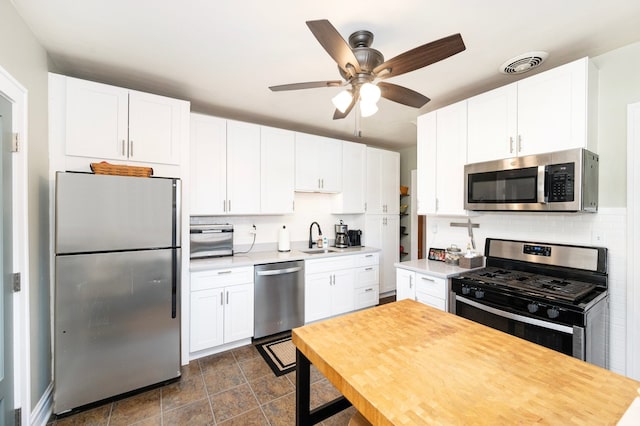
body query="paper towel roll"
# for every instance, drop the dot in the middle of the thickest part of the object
(283, 240)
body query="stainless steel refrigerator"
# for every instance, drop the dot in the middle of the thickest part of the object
(117, 281)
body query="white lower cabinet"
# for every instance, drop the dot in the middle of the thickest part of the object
(405, 284)
(221, 307)
(340, 284)
(424, 288)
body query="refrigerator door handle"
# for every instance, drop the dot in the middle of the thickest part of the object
(174, 283)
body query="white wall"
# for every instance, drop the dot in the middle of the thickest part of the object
(25, 59)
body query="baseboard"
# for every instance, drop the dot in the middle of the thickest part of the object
(43, 409)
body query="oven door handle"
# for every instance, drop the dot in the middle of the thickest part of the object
(542, 184)
(516, 317)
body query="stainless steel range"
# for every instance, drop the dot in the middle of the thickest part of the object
(551, 294)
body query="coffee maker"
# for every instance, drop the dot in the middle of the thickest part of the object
(342, 239)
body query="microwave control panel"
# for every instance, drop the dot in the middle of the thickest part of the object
(561, 182)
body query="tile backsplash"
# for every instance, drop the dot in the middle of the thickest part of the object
(607, 228)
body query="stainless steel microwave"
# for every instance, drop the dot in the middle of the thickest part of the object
(211, 240)
(555, 181)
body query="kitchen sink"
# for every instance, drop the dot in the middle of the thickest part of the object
(320, 251)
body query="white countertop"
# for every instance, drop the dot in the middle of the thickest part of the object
(432, 267)
(271, 256)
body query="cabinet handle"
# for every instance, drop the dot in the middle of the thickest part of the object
(410, 282)
(123, 152)
(224, 205)
(510, 144)
(368, 269)
(224, 272)
(227, 297)
(369, 289)
(519, 143)
(229, 206)
(221, 298)
(368, 255)
(319, 183)
(131, 148)
(427, 279)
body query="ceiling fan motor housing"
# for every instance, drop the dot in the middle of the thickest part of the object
(367, 57)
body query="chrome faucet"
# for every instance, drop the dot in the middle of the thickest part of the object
(311, 242)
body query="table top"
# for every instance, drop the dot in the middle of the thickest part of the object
(407, 363)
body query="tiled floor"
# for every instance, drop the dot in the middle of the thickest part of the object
(232, 388)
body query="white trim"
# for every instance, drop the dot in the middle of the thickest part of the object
(18, 95)
(633, 243)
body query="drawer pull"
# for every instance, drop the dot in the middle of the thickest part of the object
(224, 272)
(368, 255)
(369, 289)
(368, 269)
(428, 279)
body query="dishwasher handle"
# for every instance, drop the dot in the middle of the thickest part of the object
(280, 271)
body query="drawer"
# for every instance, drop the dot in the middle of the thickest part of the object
(367, 259)
(434, 302)
(367, 296)
(327, 264)
(436, 287)
(367, 276)
(203, 280)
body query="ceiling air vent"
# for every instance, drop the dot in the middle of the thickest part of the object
(523, 63)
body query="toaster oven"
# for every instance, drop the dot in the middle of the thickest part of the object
(211, 240)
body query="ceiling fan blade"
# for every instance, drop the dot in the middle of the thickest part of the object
(307, 85)
(335, 45)
(338, 115)
(421, 56)
(402, 95)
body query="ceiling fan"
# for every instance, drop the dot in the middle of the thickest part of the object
(363, 68)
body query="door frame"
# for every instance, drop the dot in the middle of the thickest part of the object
(632, 366)
(18, 95)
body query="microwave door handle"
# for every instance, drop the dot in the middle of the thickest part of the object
(542, 199)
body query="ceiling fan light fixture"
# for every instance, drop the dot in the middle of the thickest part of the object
(342, 100)
(367, 109)
(370, 93)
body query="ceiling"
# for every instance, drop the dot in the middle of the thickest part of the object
(223, 55)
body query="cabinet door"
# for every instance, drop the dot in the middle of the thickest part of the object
(206, 319)
(374, 171)
(343, 291)
(243, 168)
(306, 164)
(451, 135)
(96, 120)
(405, 284)
(155, 128)
(317, 296)
(552, 109)
(277, 168)
(390, 252)
(426, 151)
(390, 181)
(492, 124)
(330, 162)
(352, 198)
(208, 165)
(238, 312)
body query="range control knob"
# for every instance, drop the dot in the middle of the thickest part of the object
(479, 294)
(533, 307)
(553, 312)
(465, 289)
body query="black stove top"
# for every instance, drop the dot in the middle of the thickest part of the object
(531, 283)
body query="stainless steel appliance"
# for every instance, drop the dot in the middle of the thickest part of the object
(210, 240)
(117, 284)
(557, 181)
(551, 294)
(355, 237)
(279, 297)
(342, 238)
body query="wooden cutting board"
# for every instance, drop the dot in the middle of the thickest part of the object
(406, 363)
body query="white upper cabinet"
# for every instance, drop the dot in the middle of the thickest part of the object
(383, 181)
(208, 165)
(550, 111)
(243, 168)
(277, 170)
(113, 123)
(318, 164)
(352, 198)
(442, 147)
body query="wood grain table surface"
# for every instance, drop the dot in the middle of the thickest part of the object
(405, 363)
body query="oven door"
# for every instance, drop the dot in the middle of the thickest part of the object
(562, 338)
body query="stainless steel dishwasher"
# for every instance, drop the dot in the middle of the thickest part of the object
(279, 297)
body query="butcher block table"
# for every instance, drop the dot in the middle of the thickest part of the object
(405, 363)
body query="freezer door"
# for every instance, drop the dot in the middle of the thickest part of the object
(104, 213)
(116, 325)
